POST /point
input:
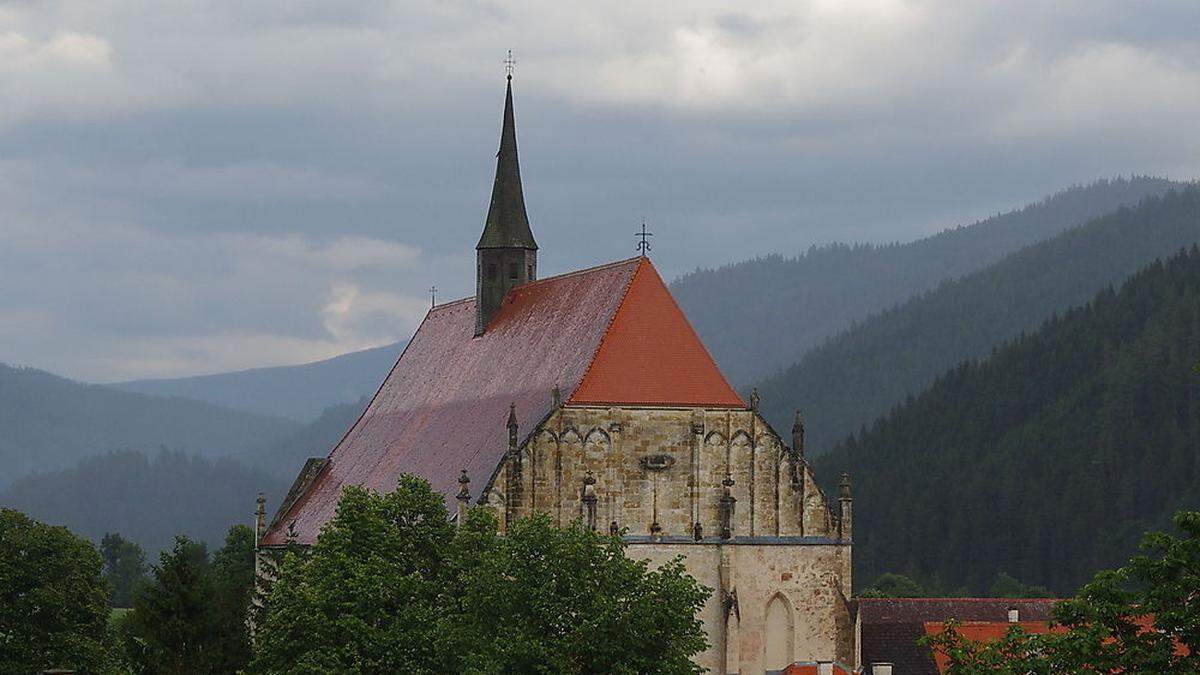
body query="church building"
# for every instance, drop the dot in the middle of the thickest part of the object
(589, 396)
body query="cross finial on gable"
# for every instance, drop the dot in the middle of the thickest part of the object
(643, 246)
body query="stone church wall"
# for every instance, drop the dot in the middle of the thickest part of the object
(664, 466)
(807, 583)
(778, 564)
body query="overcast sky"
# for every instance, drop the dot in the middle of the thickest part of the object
(190, 187)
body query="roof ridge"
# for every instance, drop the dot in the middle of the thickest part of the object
(586, 270)
(564, 275)
(452, 302)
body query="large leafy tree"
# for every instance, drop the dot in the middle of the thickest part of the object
(124, 567)
(53, 600)
(365, 597)
(391, 585)
(543, 599)
(1141, 618)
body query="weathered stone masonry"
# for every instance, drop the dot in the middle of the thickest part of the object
(779, 561)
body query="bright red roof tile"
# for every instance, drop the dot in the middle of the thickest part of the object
(984, 631)
(651, 355)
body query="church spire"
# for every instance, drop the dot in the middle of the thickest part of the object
(507, 224)
(506, 255)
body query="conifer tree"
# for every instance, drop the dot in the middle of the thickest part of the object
(173, 626)
(124, 567)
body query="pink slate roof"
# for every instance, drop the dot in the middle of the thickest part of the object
(444, 405)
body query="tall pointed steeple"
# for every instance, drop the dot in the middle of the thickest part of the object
(507, 224)
(506, 255)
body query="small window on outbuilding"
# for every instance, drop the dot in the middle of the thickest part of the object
(513, 271)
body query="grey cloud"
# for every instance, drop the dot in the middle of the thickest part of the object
(235, 184)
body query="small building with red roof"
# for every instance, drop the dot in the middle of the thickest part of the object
(589, 396)
(889, 629)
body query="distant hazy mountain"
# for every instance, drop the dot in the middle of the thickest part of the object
(48, 422)
(151, 500)
(284, 457)
(296, 392)
(859, 375)
(1050, 458)
(761, 315)
(146, 500)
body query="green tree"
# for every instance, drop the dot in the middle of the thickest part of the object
(891, 585)
(172, 627)
(364, 598)
(124, 567)
(391, 585)
(53, 600)
(545, 599)
(233, 587)
(1141, 618)
(1007, 586)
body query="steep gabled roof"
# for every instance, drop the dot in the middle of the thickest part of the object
(609, 334)
(651, 355)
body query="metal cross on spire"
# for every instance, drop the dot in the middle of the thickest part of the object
(509, 62)
(643, 246)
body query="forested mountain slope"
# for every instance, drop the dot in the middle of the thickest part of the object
(861, 374)
(285, 457)
(300, 392)
(48, 422)
(761, 315)
(1047, 460)
(146, 500)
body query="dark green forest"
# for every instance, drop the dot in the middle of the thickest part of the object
(762, 315)
(853, 379)
(151, 499)
(51, 423)
(1050, 458)
(148, 500)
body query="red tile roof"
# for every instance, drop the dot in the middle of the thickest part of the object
(609, 334)
(652, 355)
(984, 631)
(991, 631)
(892, 626)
